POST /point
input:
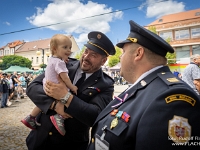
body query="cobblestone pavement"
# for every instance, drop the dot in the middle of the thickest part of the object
(12, 132)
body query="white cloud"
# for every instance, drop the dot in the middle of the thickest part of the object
(155, 8)
(71, 12)
(7, 23)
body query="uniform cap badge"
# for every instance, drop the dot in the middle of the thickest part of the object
(98, 36)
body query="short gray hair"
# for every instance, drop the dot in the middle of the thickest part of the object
(195, 56)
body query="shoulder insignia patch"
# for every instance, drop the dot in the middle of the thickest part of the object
(179, 130)
(172, 80)
(180, 97)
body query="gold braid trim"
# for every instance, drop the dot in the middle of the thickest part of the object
(99, 48)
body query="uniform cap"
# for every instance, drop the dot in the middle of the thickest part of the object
(148, 39)
(100, 43)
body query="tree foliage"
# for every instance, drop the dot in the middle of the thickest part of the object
(78, 55)
(114, 60)
(43, 65)
(14, 60)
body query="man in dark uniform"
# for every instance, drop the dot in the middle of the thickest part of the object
(4, 90)
(93, 95)
(158, 111)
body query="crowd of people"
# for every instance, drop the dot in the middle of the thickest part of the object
(158, 111)
(12, 87)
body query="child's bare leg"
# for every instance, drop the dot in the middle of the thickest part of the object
(35, 111)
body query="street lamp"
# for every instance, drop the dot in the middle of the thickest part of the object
(39, 52)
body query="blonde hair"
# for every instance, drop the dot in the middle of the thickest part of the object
(54, 41)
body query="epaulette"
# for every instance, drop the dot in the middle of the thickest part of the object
(169, 78)
(108, 76)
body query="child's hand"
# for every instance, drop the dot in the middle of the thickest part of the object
(66, 60)
(74, 89)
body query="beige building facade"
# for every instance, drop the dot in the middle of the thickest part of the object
(34, 51)
(183, 31)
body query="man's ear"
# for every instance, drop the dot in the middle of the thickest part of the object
(139, 53)
(104, 61)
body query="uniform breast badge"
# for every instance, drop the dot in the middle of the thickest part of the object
(179, 130)
(95, 88)
(114, 122)
(125, 117)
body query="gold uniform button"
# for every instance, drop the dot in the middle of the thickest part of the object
(50, 133)
(92, 140)
(163, 73)
(90, 93)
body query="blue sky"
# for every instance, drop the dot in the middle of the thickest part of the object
(16, 15)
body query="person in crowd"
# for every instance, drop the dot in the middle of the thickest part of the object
(10, 89)
(192, 72)
(176, 73)
(15, 83)
(28, 79)
(61, 49)
(157, 111)
(95, 91)
(4, 90)
(22, 80)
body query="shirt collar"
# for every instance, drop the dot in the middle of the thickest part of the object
(144, 75)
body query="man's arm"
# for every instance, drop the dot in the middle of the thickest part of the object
(16, 80)
(85, 112)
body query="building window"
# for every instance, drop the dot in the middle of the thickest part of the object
(195, 49)
(37, 60)
(32, 59)
(160, 20)
(166, 35)
(197, 14)
(195, 32)
(1, 53)
(182, 52)
(182, 34)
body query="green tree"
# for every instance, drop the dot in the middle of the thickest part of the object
(114, 60)
(43, 65)
(78, 55)
(171, 57)
(14, 60)
(153, 29)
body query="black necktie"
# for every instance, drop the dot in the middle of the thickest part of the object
(81, 80)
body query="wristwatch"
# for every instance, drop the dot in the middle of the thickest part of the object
(65, 98)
